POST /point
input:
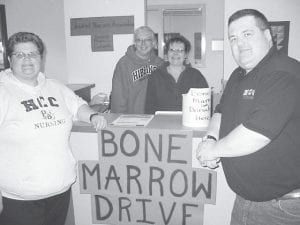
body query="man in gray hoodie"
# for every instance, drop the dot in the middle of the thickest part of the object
(131, 73)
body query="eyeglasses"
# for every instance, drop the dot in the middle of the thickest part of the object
(176, 50)
(146, 41)
(30, 55)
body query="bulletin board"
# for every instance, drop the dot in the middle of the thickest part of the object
(102, 29)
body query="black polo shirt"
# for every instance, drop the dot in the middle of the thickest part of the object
(267, 101)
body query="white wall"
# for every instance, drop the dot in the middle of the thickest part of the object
(85, 66)
(45, 18)
(70, 59)
(279, 10)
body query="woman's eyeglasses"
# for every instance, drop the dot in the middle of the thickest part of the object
(23, 55)
(176, 50)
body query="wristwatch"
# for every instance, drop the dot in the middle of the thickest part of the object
(92, 115)
(206, 137)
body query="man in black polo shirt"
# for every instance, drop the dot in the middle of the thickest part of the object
(255, 129)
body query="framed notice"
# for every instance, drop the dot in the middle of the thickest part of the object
(280, 34)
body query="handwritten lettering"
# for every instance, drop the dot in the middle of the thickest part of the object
(146, 176)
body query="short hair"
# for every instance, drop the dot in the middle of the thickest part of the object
(24, 37)
(144, 29)
(260, 18)
(178, 39)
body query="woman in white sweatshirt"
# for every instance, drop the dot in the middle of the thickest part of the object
(37, 167)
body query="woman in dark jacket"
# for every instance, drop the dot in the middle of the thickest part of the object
(167, 84)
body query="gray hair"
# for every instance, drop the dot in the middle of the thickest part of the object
(144, 29)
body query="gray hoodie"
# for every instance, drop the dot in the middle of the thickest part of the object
(129, 82)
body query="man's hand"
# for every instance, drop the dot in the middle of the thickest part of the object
(205, 154)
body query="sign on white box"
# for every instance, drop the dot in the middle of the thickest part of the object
(196, 107)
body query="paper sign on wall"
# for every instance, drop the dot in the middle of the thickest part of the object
(145, 176)
(102, 29)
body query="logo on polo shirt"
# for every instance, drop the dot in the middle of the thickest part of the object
(248, 94)
(143, 72)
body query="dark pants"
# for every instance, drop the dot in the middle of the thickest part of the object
(48, 211)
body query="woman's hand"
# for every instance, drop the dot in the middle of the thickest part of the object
(98, 122)
(87, 114)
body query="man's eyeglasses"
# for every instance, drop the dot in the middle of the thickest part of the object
(146, 41)
(176, 50)
(30, 55)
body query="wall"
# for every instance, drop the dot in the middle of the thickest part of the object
(37, 16)
(213, 71)
(70, 59)
(275, 11)
(85, 66)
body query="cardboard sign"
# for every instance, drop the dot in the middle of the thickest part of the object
(196, 107)
(145, 176)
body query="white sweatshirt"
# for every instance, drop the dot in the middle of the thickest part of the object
(35, 123)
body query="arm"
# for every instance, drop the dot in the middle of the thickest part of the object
(84, 114)
(214, 125)
(239, 142)
(119, 94)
